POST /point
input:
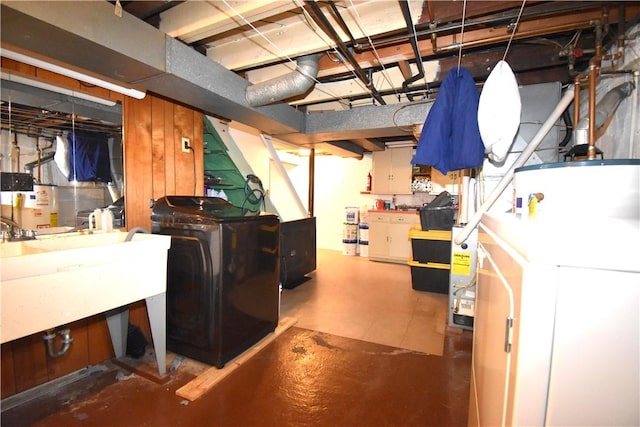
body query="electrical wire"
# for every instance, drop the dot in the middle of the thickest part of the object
(11, 160)
(195, 180)
(574, 39)
(464, 13)
(413, 104)
(76, 207)
(385, 74)
(515, 28)
(313, 27)
(255, 196)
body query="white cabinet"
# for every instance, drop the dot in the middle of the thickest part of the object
(391, 172)
(389, 236)
(556, 332)
(440, 182)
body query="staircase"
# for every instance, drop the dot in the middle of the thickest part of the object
(222, 175)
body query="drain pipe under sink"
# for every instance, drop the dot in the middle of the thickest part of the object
(520, 161)
(50, 336)
(65, 333)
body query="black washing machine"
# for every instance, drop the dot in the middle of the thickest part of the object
(222, 276)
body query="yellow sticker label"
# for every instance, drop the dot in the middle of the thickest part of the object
(461, 263)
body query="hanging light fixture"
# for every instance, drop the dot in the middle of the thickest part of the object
(134, 93)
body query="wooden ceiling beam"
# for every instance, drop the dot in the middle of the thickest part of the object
(195, 20)
(405, 69)
(475, 38)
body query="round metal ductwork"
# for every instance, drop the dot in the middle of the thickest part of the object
(289, 85)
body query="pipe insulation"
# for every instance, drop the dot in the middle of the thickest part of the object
(604, 110)
(297, 82)
(520, 161)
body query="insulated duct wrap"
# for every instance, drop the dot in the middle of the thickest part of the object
(604, 110)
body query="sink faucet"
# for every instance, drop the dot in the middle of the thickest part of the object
(13, 231)
(8, 222)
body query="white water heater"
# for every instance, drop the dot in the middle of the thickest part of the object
(589, 189)
(32, 210)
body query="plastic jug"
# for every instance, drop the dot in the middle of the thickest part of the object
(107, 220)
(95, 220)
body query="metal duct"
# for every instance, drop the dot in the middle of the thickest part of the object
(169, 68)
(287, 86)
(412, 39)
(604, 110)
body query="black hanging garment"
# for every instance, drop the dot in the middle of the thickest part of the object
(89, 157)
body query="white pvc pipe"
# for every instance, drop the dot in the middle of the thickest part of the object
(520, 161)
(284, 174)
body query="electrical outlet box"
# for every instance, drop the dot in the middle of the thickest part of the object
(186, 144)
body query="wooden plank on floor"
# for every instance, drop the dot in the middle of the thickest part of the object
(212, 376)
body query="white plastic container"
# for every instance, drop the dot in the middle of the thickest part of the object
(350, 232)
(351, 215)
(363, 232)
(95, 220)
(350, 247)
(107, 220)
(363, 247)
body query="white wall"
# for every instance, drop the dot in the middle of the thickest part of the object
(338, 181)
(250, 154)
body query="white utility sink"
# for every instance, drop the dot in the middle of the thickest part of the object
(58, 279)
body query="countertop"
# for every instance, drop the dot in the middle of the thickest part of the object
(399, 211)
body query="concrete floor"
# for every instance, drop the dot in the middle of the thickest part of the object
(372, 301)
(367, 351)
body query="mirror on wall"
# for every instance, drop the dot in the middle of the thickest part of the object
(70, 149)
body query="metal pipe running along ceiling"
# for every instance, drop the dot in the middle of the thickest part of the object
(321, 20)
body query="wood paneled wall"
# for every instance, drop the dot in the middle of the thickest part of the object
(154, 163)
(154, 166)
